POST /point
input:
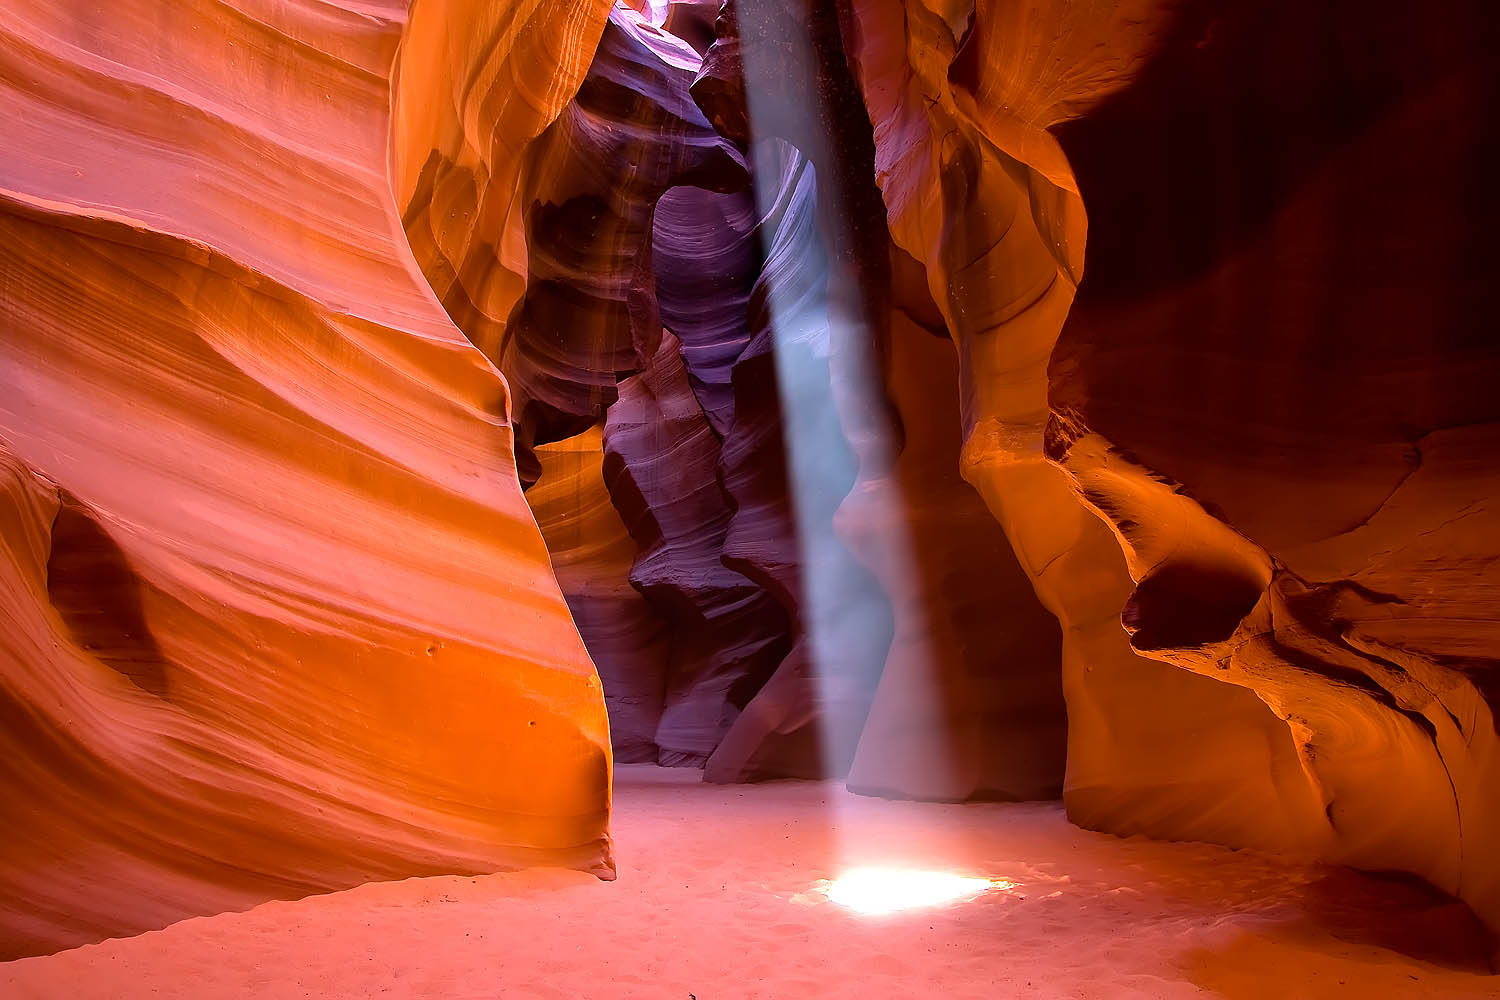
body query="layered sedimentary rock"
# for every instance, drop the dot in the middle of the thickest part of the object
(661, 467)
(970, 703)
(593, 555)
(985, 200)
(1326, 536)
(277, 619)
(787, 467)
(589, 188)
(948, 679)
(766, 415)
(707, 255)
(1238, 429)
(640, 226)
(475, 86)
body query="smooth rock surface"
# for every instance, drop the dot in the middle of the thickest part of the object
(277, 619)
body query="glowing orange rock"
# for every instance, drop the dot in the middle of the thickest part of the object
(277, 617)
(1223, 465)
(592, 555)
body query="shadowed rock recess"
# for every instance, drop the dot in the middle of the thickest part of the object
(409, 408)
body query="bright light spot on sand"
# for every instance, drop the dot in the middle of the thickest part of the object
(873, 891)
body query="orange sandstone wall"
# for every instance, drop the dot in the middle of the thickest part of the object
(280, 620)
(1253, 471)
(277, 619)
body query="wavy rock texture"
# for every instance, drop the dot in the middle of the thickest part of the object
(277, 618)
(726, 516)
(942, 726)
(786, 486)
(661, 466)
(970, 703)
(1345, 428)
(707, 249)
(1247, 551)
(640, 226)
(592, 555)
(476, 86)
(590, 185)
(1000, 237)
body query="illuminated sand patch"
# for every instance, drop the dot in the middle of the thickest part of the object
(875, 891)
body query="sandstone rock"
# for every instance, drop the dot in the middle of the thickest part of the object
(277, 618)
(788, 467)
(589, 189)
(1327, 539)
(592, 555)
(707, 249)
(987, 204)
(1212, 400)
(661, 467)
(970, 703)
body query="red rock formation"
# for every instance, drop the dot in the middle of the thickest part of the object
(475, 87)
(1002, 271)
(277, 618)
(590, 186)
(780, 69)
(592, 555)
(279, 621)
(609, 198)
(661, 466)
(787, 467)
(970, 703)
(1231, 345)
(1326, 334)
(707, 249)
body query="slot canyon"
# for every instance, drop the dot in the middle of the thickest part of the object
(706, 499)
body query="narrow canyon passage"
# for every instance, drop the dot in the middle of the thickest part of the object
(763, 536)
(605, 499)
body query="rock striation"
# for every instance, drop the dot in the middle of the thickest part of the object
(1213, 459)
(974, 399)
(593, 555)
(787, 487)
(661, 465)
(1325, 536)
(277, 618)
(588, 191)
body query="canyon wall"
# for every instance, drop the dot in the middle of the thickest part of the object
(277, 617)
(686, 318)
(937, 394)
(1257, 451)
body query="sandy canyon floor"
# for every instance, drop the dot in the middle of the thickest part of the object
(722, 894)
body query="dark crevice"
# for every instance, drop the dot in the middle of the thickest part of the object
(98, 595)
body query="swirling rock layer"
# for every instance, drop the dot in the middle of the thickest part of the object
(1328, 341)
(589, 313)
(277, 619)
(778, 633)
(970, 703)
(1236, 433)
(787, 466)
(661, 465)
(593, 555)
